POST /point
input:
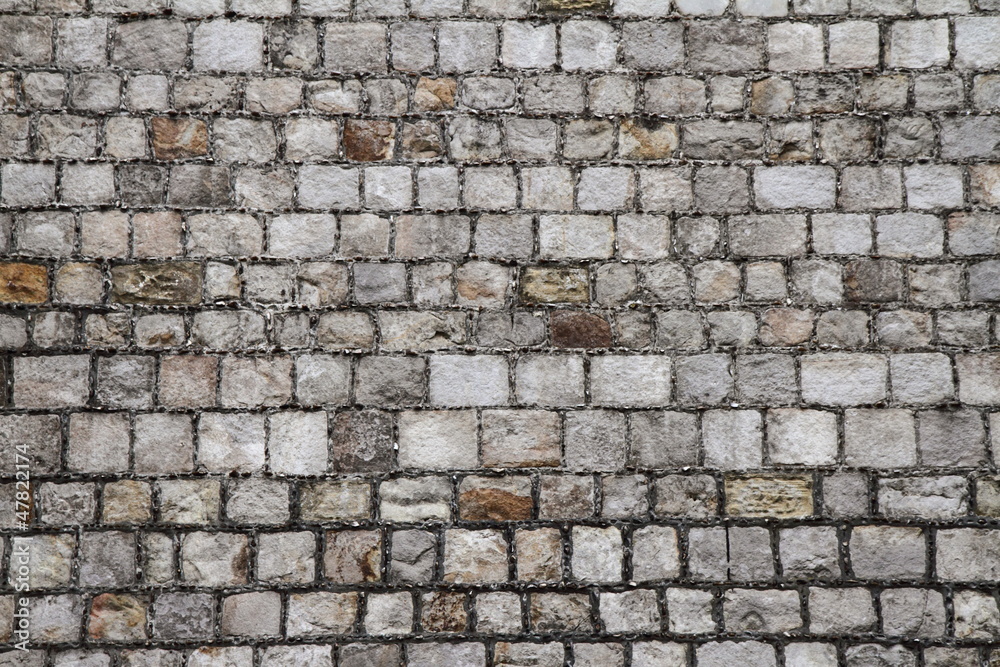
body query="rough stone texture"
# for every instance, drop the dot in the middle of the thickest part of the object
(500, 332)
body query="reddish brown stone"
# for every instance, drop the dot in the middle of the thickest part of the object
(23, 283)
(434, 94)
(369, 140)
(443, 612)
(179, 138)
(576, 329)
(495, 499)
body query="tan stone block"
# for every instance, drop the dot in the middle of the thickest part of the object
(434, 94)
(188, 380)
(643, 139)
(127, 501)
(520, 438)
(769, 496)
(554, 285)
(353, 556)
(539, 554)
(336, 500)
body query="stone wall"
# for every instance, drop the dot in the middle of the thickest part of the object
(607, 333)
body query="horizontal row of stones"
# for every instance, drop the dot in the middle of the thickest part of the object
(507, 237)
(315, 442)
(545, 95)
(525, 331)
(504, 654)
(541, 498)
(475, 285)
(712, 189)
(835, 379)
(363, 9)
(223, 45)
(905, 613)
(513, 654)
(578, 558)
(246, 141)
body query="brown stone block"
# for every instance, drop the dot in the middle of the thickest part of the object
(576, 329)
(443, 612)
(369, 140)
(495, 499)
(118, 618)
(23, 283)
(179, 138)
(165, 283)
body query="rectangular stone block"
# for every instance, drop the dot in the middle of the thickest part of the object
(769, 496)
(160, 283)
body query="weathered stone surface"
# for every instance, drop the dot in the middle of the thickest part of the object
(647, 140)
(166, 283)
(117, 618)
(321, 613)
(573, 5)
(513, 332)
(369, 141)
(23, 283)
(491, 499)
(778, 497)
(575, 329)
(541, 285)
(178, 138)
(353, 556)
